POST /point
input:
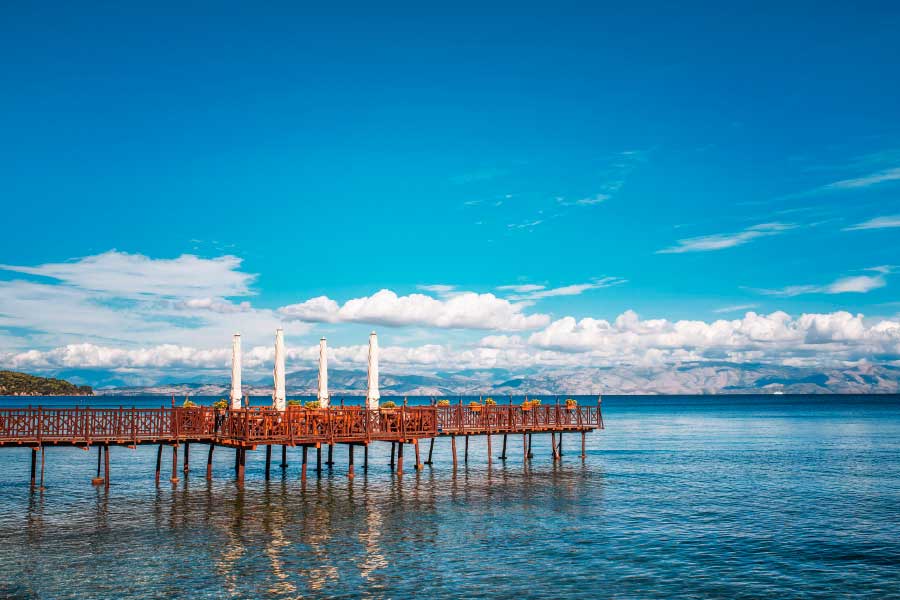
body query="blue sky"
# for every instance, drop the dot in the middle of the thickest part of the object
(687, 164)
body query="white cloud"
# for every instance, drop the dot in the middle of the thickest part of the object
(539, 292)
(132, 299)
(829, 338)
(735, 308)
(521, 288)
(876, 223)
(721, 241)
(465, 310)
(865, 181)
(135, 275)
(856, 284)
(771, 337)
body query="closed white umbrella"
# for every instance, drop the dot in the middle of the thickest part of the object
(236, 393)
(372, 395)
(278, 398)
(323, 374)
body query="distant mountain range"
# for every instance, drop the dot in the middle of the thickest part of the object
(688, 378)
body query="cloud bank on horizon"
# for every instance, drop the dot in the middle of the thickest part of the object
(500, 191)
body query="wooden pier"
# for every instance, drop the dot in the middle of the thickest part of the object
(246, 429)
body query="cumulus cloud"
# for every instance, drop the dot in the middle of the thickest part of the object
(771, 337)
(720, 241)
(778, 338)
(464, 310)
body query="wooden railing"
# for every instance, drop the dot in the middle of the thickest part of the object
(296, 425)
(506, 418)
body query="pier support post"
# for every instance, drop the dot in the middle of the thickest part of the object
(174, 478)
(489, 448)
(453, 449)
(187, 457)
(582, 445)
(330, 462)
(284, 464)
(319, 460)
(416, 448)
(430, 451)
(42, 469)
(268, 460)
(209, 462)
(466, 454)
(530, 453)
(242, 461)
(400, 458)
(303, 465)
(553, 445)
(503, 452)
(33, 466)
(393, 448)
(158, 461)
(366, 457)
(350, 461)
(559, 453)
(525, 447)
(106, 466)
(97, 480)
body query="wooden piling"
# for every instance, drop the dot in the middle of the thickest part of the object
(209, 462)
(350, 461)
(330, 461)
(524, 447)
(453, 449)
(106, 466)
(366, 457)
(187, 457)
(553, 445)
(399, 458)
(97, 480)
(466, 455)
(559, 445)
(583, 454)
(174, 478)
(33, 466)
(416, 448)
(42, 468)
(530, 453)
(489, 448)
(268, 460)
(242, 461)
(503, 452)
(393, 448)
(319, 459)
(284, 463)
(158, 461)
(303, 465)
(430, 451)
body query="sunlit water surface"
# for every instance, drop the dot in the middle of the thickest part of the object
(730, 497)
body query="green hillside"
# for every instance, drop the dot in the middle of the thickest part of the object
(22, 384)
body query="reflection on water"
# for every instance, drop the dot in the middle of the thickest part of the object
(673, 500)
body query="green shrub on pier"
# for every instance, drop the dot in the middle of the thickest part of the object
(313, 404)
(571, 402)
(489, 401)
(443, 402)
(389, 404)
(220, 404)
(189, 404)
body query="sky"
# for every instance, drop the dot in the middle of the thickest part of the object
(512, 186)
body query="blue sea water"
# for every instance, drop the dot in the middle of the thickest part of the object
(687, 497)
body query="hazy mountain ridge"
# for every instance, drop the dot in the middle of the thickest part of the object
(693, 378)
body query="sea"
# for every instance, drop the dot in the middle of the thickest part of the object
(678, 497)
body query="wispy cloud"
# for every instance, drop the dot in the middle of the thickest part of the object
(875, 178)
(478, 175)
(885, 222)
(525, 224)
(735, 308)
(854, 284)
(537, 292)
(589, 201)
(720, 241)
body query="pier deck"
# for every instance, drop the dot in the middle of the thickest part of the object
(245, 429)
